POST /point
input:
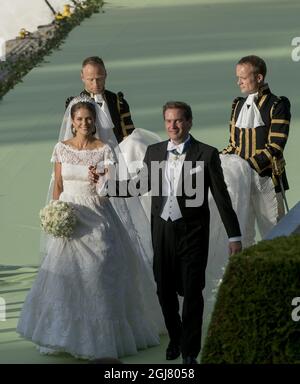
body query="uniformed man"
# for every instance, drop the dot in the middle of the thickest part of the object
(93, 75)
(259, 125)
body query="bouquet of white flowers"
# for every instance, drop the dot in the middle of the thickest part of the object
(58, 219)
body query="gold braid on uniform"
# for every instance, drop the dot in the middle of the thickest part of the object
(231, 148)
(125, 116)
(277, 137)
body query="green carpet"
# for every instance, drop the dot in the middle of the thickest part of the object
(154, 51)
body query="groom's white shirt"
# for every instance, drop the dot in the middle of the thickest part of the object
(173, 169)
(170, 181)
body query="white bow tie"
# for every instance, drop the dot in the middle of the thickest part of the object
(104, 114)
(99, 99)
(177, 147)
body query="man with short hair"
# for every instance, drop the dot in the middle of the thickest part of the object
(180, 233)
(180, 226)
(116, 108)
(259, 129)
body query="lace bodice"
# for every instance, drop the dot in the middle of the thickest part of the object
(64, 153)
(75, 167)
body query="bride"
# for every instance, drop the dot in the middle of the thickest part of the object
(94, 295)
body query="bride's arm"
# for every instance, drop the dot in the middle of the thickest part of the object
(58, 183)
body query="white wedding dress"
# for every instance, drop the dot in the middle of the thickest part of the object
(94, 296)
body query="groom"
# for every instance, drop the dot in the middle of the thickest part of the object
(180, 230)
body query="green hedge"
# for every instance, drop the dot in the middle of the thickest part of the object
(251, 322)
(16, 68)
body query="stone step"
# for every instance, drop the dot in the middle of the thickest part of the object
(288, 225)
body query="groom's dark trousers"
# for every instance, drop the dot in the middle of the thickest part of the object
(180, 258)
(181, 246)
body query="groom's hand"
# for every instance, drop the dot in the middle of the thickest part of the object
(235, 247)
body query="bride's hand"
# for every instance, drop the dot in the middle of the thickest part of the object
(93, 174)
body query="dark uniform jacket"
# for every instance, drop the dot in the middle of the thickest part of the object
(119, 112)
(261, 144)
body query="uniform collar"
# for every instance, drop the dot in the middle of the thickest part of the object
(263, 90)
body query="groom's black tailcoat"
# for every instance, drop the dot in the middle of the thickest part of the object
(181, 247)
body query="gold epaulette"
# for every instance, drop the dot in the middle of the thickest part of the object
(279, 98)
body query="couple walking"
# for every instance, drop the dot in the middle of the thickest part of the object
(94, 295)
